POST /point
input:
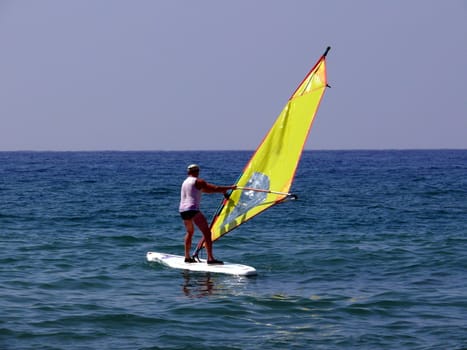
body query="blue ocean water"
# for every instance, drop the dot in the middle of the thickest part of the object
(373, 254)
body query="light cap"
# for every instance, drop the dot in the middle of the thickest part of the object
(193, 167)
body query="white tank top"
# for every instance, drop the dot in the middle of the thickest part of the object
(190, 196)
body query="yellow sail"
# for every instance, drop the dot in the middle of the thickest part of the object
(268, 175)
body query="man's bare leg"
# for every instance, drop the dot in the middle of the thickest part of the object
(188, 237)
(202, 224)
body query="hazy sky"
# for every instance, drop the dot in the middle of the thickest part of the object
(214, 74)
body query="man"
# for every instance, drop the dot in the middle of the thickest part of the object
(190, 199)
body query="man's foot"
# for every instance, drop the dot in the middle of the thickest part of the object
(190, 260)
(215, 262)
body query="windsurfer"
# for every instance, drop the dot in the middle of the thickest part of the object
(190, 199)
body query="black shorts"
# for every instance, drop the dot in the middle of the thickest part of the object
(189, 214)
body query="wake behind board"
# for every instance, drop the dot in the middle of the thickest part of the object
(178, 262)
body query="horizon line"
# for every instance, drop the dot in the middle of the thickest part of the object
(229, 150)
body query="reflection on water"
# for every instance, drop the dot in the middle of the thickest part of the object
(197, 285)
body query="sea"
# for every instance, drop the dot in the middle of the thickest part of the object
(372, 254)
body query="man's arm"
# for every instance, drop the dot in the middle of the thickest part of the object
(210, 188)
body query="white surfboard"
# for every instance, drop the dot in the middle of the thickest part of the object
(178, 262)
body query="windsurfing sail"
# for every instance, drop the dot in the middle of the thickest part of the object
(267, 177)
